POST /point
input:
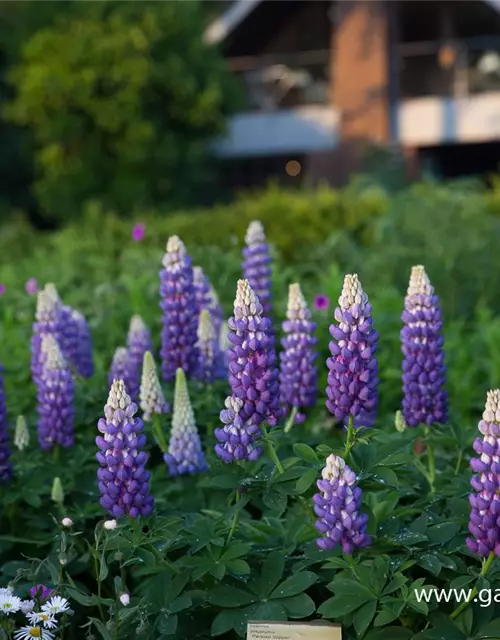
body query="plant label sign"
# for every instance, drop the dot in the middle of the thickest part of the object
(293, 631)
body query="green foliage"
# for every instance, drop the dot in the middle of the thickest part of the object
(121, 98)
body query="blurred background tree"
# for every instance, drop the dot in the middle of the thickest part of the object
(120, 99)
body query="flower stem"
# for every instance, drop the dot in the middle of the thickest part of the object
(158, 434)
(350, 436)
(234, 524)
(271, 450)
(430, 461)
(459, 462)
(291, 419)
(486, 566)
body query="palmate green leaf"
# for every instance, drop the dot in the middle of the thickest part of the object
(305, 452)
(294, 585)
(238, 566)
(224, 622)
(230, 597)
(444, 532)
(235, 550)
(491, 630)
(306, 481)
(390, 633)
(389, 612)
(275, 501)
(350, 596)
(430, 562)
(299, 606)
(167, 624)
(364, 616)
(445, 629)
(272, 570)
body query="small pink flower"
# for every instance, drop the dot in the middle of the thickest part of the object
(321, 302)
(31, 286)
(2, 288)
(138, 232)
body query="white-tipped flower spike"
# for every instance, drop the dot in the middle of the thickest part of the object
(184, 454)
(55, 397)
(207, 348)
(257, 264)
(255, 233)
(47, 322)
(57, 493)
(51, 290)
(138, 342)
(120, 367)
(151, 394)
(22, 434)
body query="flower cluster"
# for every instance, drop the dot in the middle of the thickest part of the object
(120, 368)
(41, 611)
(138, 342)
(122, 478)
(298, 372)
(55, 395)
(5, 464)
(151, 394)
(184, 454)
(76, 341)
(257, 265)
(353, 367)
(485, 502)
(425, 400)
(178, 300)
(47, 322)
(207, 300)
(208, 349)
(253, 376)
(337, 507)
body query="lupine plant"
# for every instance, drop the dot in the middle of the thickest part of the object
(138, 342)
(191, 522)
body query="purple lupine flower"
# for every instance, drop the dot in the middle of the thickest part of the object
(178, 300)
(425, 400)
(138, 342)
(5, 464)
(31, 287)
(257, 265)
(364, 419)
(208, 349)
(122, 478)
(120, 367)
(76, 342)
(216, 311)
(206, 298)
(321, 302)
(201, 285)
(40, 592)
(138, 232)
(47, 322)
(298, 371)
(353, 367)
(253, 376)
(337, 507)
(184, 454)
(151, 394)
(55, 395)
(485, 502)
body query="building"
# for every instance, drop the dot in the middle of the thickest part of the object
(326, 81)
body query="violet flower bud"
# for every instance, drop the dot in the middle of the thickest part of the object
(253, 376)
(257, 265)
(484, 523)
(138, 342)
(298, 371)
(120, 367)
(5, 464)
(425, 400)
(178, 301)
(122, 478)
(184, 454)
(353, 367)
(151, 393)
(55, 395)
(337, 507)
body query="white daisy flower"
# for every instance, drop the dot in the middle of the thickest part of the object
(56, 605)
(6, 591)
(27, 606)
(47, 620)
(26, 633)
(9, 603)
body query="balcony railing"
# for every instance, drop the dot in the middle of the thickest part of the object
(458, 69)
(284, 81)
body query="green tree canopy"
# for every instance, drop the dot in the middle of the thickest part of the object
(121, 100)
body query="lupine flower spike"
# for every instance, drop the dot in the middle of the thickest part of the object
(337, 507)
(208, 349)
(201, 285)
(138, 342)
(353, 368)
(122, 478)
(178, 300)
(253, 376)
(207, 299)
(83, 359)
(151, 394)
(5, 464)
(22, 434)
(55, 396)
(298, 371)
(425, 400)
(47, 322)
(184, 454)
(120, 367)
(257, 265)
(485, 501)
